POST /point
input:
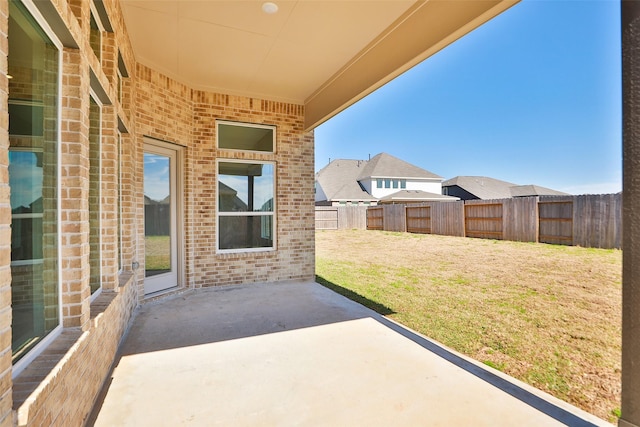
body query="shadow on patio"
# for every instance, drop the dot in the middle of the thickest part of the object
(300, 354)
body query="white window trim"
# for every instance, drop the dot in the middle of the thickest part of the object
(246, 214)
(31, 355)
(248, 125)
(120, 259)
(95, 99)
(152, 145)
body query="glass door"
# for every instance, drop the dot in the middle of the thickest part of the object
(160, 218)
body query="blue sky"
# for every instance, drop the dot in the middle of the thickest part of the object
(156, 177)
(531, 97)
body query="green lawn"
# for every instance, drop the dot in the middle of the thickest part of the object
(157, 253)
(548, 315)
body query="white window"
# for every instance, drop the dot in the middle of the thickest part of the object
(246, 136)
(34, 130)
(246, 206)
(403, 183)
(95, 168)
(379, 183)
(119, 207)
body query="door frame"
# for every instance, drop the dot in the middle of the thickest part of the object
(156, 146)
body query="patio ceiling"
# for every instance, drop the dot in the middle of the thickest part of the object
(323, 54)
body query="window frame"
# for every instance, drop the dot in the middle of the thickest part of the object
(19, 366)
(246, 125)
(119, 208)
(93, 97)
(272, 213)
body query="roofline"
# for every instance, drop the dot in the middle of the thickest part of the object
(381, 61)
(401, 177)
(393, 199)
(351, 199)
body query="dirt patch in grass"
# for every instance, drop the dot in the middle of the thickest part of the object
(548, 315)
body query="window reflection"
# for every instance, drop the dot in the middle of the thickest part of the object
(245, 205)
(33, 134)
(157, 214)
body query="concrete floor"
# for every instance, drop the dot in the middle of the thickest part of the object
(291, 354)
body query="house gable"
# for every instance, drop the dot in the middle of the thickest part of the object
(338, 182)
(385, 165)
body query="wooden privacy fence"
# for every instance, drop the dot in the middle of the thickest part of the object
(445, 218)
(375, 220)
(556, 221)
(589, 221)
(341, 217)
(157, 220)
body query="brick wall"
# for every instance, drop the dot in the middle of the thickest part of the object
(59, 387)
(65, 395)
(192, 125)
(74, 193)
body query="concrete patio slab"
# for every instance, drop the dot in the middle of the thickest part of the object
(290, 354)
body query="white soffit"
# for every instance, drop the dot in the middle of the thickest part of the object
(234, 47)
(324, 54)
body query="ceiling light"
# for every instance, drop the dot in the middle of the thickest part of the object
(9, 76)
(269, 8)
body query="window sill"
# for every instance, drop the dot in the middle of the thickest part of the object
(244, 253)
(37, 387)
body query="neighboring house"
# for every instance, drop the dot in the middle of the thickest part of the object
(415, 196)
(337, 183)
(485, 188)
(534, 190)
(382, 179)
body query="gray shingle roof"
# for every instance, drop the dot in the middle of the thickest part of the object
(339, 180)
(417, 196)
(482, 187)
(385, 165)
(485, 188)
(534, 190)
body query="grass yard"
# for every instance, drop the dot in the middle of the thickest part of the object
(548, 315)
(157, 253)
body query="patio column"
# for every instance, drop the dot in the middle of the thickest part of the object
(630, 11)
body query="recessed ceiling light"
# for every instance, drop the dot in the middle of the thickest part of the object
(269, 8)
